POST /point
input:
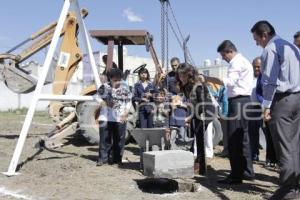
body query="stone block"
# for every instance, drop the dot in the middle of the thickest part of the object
(168, 164)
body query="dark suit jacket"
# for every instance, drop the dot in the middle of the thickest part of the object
(139, 92)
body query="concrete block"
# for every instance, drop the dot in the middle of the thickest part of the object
(168, 164)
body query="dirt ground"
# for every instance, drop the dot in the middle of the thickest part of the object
(70, 172)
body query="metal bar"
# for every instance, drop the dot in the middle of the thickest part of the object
(51, 97)
(120, 55)
(20, 144)
(110, 52)
(87, 44)
(155, 59)
(43, 30)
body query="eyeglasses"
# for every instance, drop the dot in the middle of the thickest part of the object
(174, 65)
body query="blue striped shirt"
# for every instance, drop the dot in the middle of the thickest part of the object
(280, 69)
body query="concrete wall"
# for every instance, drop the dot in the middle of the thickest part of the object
(10, 100)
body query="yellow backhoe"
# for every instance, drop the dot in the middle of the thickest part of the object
(84, 117)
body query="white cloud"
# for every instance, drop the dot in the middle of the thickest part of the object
(131, 16)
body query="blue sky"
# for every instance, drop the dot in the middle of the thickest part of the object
(208, 22)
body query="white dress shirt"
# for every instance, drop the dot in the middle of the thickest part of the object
(239, 80)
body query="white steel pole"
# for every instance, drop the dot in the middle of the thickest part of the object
(86, 42)
(51, 97)
(18, 150)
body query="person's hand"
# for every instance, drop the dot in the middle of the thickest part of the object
(168, 134)
(145, 100)
(187, 120)
(148, 94)
(267, 114)
(162, 76)
(176, 101)
(123, 118)
(202, 78)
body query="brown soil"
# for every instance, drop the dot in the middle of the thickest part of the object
(70, 172)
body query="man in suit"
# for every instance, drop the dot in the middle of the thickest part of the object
(281, 108)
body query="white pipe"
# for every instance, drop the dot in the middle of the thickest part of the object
(50, 97)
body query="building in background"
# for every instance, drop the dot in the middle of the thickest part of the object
(215, 69)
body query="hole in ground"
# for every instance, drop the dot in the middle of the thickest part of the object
(164, 185)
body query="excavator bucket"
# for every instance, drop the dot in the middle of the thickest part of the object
(18, 80)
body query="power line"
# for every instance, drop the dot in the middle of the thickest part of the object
(179, 30)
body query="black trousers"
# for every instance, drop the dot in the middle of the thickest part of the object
(270, 152)
(112, 137)
(285, 131)
(238, 138)
(255, 123)
(199, 128)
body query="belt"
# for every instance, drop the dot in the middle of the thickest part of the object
(284, 94)
(238, 96)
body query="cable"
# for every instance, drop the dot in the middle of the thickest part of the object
(172, 12)
(180, 32)
(175, 34)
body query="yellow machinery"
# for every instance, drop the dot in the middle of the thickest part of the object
(20, 81)
(84, 117)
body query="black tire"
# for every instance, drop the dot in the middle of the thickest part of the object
(131, 124)
(87, 114)
(129, 127)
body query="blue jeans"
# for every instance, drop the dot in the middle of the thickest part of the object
(146, 119)
(112, 136)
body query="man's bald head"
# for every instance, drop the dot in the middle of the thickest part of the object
(256, 66)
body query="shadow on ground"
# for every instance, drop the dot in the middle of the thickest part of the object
(248, 187)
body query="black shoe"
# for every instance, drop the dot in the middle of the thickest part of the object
(255, 159)
(248, 178)
(230, 181)
(223, 154)
(120, 164)
(101, 163)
